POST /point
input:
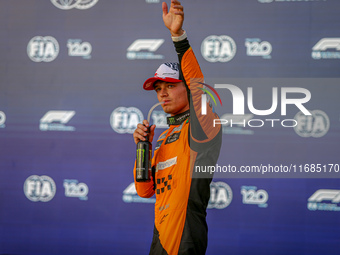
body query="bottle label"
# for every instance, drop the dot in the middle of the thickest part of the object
(143, 161)
(140, 155)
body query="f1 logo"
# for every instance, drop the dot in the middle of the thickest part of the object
(327, 43)
(144, 49)
(57, 116)
(146, 44)
(325, 194)
(56, 120)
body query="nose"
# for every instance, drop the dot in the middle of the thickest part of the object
(163, 92)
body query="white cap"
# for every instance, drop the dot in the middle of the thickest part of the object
(168, 72)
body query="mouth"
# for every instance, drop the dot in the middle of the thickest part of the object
(165, 102)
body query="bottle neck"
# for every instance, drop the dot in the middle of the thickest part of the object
(147, 135)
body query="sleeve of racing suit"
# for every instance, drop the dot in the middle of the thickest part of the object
(144, 189)
(202, 130)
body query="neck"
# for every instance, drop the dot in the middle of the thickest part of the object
(177, 113)
(178, 118)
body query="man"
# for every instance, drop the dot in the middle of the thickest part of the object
(181, 200)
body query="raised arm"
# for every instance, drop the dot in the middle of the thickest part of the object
(202, 130)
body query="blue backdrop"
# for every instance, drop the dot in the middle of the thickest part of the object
(71, 74)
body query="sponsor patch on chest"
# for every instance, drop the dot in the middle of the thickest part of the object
(172, 138)
(165, 164)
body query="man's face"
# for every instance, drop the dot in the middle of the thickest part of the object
(174, 96)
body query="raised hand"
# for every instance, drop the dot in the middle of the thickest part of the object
(173, 18)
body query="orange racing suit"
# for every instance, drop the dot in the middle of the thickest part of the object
(181, 200)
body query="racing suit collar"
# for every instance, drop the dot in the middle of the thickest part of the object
(178, 119)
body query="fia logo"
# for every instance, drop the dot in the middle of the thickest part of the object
(315, 125)
(77, 48)
(221, 195)
(252, 196)
(125, 120)
(39, 188)
(75, 189)
(218, 48)
(43, 49)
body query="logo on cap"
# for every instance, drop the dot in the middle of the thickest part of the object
(173, 66)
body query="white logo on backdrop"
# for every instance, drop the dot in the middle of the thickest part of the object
(70, 4)
(56, 121)
(327, 48)
(43, 49)
(252, 196)
(256, 47)
(39, 188)
(73, 188)
(2, 119)
(144, 49)
(315, 125)
(221, 195)
(77, 48)
(317, 200)
(125, 120)
(218, 48)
